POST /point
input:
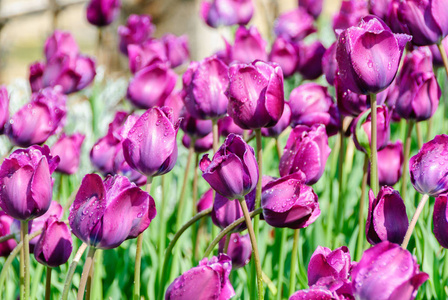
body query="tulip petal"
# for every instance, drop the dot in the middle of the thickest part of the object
(41, 187)
(440, 220)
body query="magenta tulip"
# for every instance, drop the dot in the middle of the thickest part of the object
(330, 64)
(313, 7)
(349, 14)
(177, 49)
(60, 43)
(440, 220)
(5, 223)
(281, 125)
(226, 211)
(349, 103)
(35, 77)
(294, 25)
(226, 126)
(239, 249)
(68, 148)
(390, 164)
(103, 12)
(226, 12)
(310, 60)
(138, 29)
(249, 46)
(201, 145)
(146, 54)
(285, 54)
(4, 108)
(206, 201)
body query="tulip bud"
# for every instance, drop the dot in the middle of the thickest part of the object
(226, 211)
(138, 29)
(386, 271)
(284, 53)
(233, 171)
(209, 280)
(55, 244)
(206, 201)
(150, 147)
(26, 185)
(329, 64)
(390, 164)
(4, 108)
(103, 12)
(440, 220)
(307, 151)
(146, 54)
(281, 125)
(201, 145)
(249, 46)
(368, 55)
(294, 25)
(177, 49)
(349, 103)
(429, 167)
(204, 86)
(99, 204)
(36, 72)
(68, 148)
(350, 14)
(312, 104)
(310, 61)
(256, 97)
(5, 224)
(60, 43)
(226, 126)
(239, 250)
(227, 12)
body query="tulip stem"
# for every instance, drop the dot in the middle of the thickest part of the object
(226, 243)
(24, 262)
(281, 261)
(215, 135)
(48, 284)
(90, 279)
(195, 183)
(444, 56)
(360, 243)
(294, 255)
(85, 273)
(173, 243)
(340, 177)
(253, 240)
(419, 135)
(373, 147)
(414, 219)
(6, 237)
(279, 148)
(184, 186)
(71, 270)
(256, 227)
(407, 150)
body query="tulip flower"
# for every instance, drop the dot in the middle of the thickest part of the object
(294, 25)
(150, 146)
(204, 86)
(390, 164)
(175, 102)
(226, 126)
(176, 48)
(146, 54)
(307, 151)
(440, 220)
(201, 145)
(392, 19)
(436, 57)
(35, 78)
(329, 64)
(429, 168)
(314, 293)
(226, 12)
(424, 20)
(249, 46)
(281, 125)
(138, 29)
(233, 171)
(226, 211)
(310, 61)
(26, 185)
(312, 7)
(386, 271)
(312, 104)
(349, 103)
(206, 201)
(239, 249)
(4, 108)
(68, 148)
(326, 263)
(256, 97)
(194, 127)
(55, 244)
(350, 14)
(368, 55)
(36, 121)
(99, 204)
(209, 280)
(5, 224)
(60, 43)
(284, 53)
(103, 12)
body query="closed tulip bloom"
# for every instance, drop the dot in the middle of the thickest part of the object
(349, 103)
(204, 86)
(256, 97)
(379, 8)
(226, 126)
(281, 125)
(313, 7)
(226, 211)
(55, 244)
(429, 167)
(226, 12)
(99, 204)
(4, 108)
(329, 64)
(161, 81)
(392, 19)
(349, 14)
(177, 49)
(121, 167)
(195, 128)
(325, 263)
(5, 223)
(368, 55)
(233, 171)
(146, 54)
(390, 164)
(150, 146)
(294, 25)
(201, 145)
(312, 104)
(206, 201)
(239, 250)
(26, 185)
(209, 280)
(425, 20)
(285, 54)
(175, 102)
(310, 60)
(68, 148)
(60, 43)
(436, 57)
(103, 12)
(35, 77)
(288, 202)
(138, 29)
(440, 220)
(387, 219)
(386, 271)
(307, 151)
(249, 46)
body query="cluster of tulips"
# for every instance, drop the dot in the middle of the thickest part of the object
(238, 94)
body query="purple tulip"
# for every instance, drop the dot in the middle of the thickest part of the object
(330, 64)
(55, 244)
(379, 8)
(392, 19)
(284, 53)
(175, 102)
(209, 280)
(99, 204)
(4, 108)
(121, 167)
(26, 185)
(226, 126)
(386, 271)
(390, 164)
(201, 145)
(387, 219)
(281, 125)
(256, 97)
(5, 224)
(312, 104)
(204, 86)
(225, 54)
(310, 60)
(307, 151)
(150, 146)
(68, 148)
(368, 55)
(314, 293)
(138, 29)
(177, 49)
(146, 54)
(429, 167)
(60, 43)
(294, 25)
(249, 46)
(206, 201)
(226, 211)
(36, 121)
(350, 14)
(195, 128)
(436, 57)
(233, 172)
(425, 20)
(349, 103)
(103, 12)
(35, 78)
(226, 12)
(312, 7)
(288, 202)
(239, 250)
(440, 220)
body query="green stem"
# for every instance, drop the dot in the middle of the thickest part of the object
(259, 150)
(281, 262)
(407, 150)
(340, 207)
(226, 244)
(215, 135)
(419, 135)
(48, 284)
(292, 276)
(414, 219)
(195, 183)
(360, 242)
(279, 148)
(90, 278)
(71, 270)
(37, 276)
(444, 56)
(6, 237)
(373, 146)
(184, 185)
(25, 262)
(85, 273)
